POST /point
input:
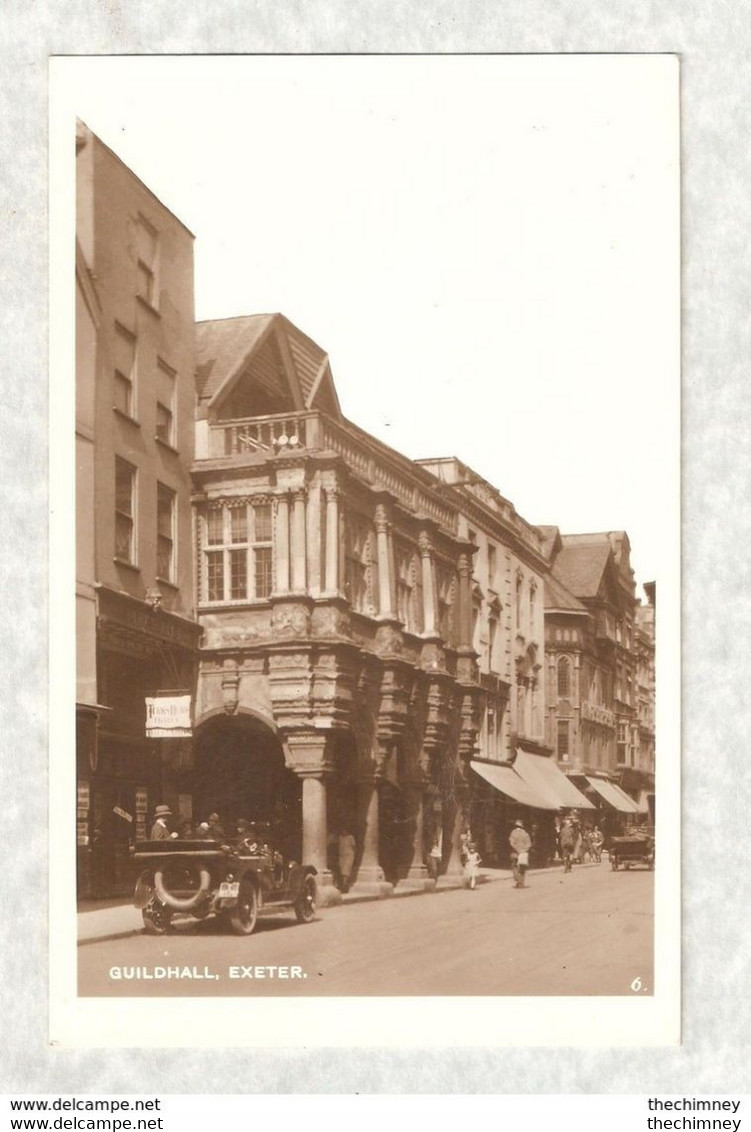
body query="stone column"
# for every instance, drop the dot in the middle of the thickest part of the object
(428, 585)
(385, 562)
(465, 601)
(417, 878)
(332, 540)
(282, 544)
(454, 871)
(370, 878)
(298, 542)
(314, 829)
(308, 759)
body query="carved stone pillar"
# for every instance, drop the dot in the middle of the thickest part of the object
(314, 831)
(332, 540)
(428, 585)
(282, 544)
(370, 878)
(457, 821)
(308, 758)
(298, 542)
(385, 562)
(417, 878)
(465, 600)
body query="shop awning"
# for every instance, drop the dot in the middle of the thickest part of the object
(613, 795)
(642, 803)
(543, 776)
(505, 779)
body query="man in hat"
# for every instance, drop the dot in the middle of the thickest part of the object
(520, 843)
(216, 832)
(160, 829)
(567, 842)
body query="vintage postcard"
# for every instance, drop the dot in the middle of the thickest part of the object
(365, 654)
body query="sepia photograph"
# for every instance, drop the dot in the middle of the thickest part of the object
(364, 687)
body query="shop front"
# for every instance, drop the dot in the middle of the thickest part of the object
(531, 789)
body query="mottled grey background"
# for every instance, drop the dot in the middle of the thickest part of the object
(713, 41)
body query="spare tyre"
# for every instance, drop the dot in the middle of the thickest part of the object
(197, 877)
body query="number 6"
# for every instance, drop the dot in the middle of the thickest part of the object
(636, 985)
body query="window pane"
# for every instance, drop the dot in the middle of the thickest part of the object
(214, 526)
(123, 394)
(238, 574)
(215, 575)
(165, 387)
(262, 522)
(262, 557)
(123, 487)
(163, 423)
(145, 285)
(165, 509)
(123, 537)
(125, 352)
(564, 678)
(147, 238)
(562, 737)
(164, 557)
(238, 524)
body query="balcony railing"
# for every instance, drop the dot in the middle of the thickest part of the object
(313, 432)
(263, 434)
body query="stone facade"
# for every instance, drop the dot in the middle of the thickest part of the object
(136, 630)
(600, 683)
(335, 598)
(354, 629)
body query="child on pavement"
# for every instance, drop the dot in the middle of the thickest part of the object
(472, 865)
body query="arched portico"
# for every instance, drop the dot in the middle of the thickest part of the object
(240, 771)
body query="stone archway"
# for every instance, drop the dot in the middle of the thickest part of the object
(239, 771)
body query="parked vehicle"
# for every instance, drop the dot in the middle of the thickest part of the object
(632, 850)
(236, 883)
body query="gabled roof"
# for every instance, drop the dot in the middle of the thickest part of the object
(580, 567)
(551, 540)
(254, 347)
(219, 345)
(557, 597)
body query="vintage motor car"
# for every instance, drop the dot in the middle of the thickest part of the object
(234, 882)
(635, 848)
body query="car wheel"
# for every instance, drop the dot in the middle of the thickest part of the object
(244, 915)
(157, 920)
(305, 905)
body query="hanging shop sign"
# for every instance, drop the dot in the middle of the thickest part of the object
(122, 813)
(168, 717)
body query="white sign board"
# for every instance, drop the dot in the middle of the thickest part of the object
(168, 717)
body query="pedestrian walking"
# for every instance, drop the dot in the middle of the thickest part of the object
(597, 843)
(160, 829)
(567, 842)
(520, 843)
(435, 857)
(347, 847)
(472, 864)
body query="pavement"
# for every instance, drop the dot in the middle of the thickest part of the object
(116, 918)
(588, 932)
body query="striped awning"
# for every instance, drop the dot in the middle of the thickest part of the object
(544, 777)
(613, 795)
(505, 779)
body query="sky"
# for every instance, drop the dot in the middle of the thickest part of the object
(486, 246)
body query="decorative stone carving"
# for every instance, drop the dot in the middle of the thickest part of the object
(231, 686)
(290, 619)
